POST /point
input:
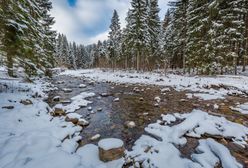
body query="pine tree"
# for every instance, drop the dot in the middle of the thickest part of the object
(49, 35)
(165, 40)
(178, 32)
(154, 31)
(197, 22)
(23, 26)
(138, 32)
(114, 39)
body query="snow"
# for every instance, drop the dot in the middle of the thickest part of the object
(116, 99)
(151, 152)
(82, 86)
(210, 152)
(110, 143)
(77, 102)
(205, 96)
(89, 158)
(29, 136)
(202, 85)
(242, 108)
(169, 118)
(196, 124)
(95, 137)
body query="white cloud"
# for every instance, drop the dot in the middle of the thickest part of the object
(90, 15)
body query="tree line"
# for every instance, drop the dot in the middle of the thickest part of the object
(205, 37)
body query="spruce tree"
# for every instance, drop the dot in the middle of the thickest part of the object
(114, 39)
(139, 30)
(154, 31)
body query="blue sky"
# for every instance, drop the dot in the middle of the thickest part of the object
(72, 3)
(87, 21)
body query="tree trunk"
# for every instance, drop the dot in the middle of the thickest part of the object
(138, 61)
(235, 66)
(10, 65)
(244, 63)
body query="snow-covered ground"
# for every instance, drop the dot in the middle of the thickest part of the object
(160, 151)
(207, 88)
(31, 137)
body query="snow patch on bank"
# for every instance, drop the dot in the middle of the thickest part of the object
(160, 148)
(242, 108)
(214, 86)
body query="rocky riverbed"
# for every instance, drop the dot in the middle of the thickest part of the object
(124, 110)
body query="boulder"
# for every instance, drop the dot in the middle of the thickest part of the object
(65, 101)
(111, 149)
(67, 90)
(73, 120)
(83, 123)
(156, 105)
(56, 98)
(59, 111)
(82, 86)
(99, 109)
(60, 82)
(104, 94)
(116, 99)
(26, 102)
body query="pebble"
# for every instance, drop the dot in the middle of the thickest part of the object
(130, 124)
(95, 137)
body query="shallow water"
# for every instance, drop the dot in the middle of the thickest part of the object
(110, 122)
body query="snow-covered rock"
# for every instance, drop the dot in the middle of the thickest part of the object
(110, 149)
(151, 152)
(67, 90)
(116, 99)
(157, 99)
(56, 98)
(130, 124)
(82, 86)
(95, 137)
